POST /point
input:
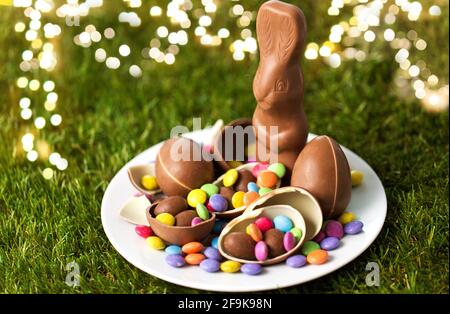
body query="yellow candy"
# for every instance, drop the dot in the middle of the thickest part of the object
(149, 182)
(346, 217)
(230, 267)
(237, 200)
(196, 196)
(166, 219)
(230, 177)
(357, 177)
(234, 163)
(155, 243)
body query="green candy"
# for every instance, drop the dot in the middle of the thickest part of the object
(278, 168)
(297, 232)
(202, 211)
(210, 189)
(263, 191)
(309, 246)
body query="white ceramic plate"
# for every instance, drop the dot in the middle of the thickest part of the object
(368, 203)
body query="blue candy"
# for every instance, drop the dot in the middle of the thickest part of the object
(173, 250)
(252, 186)
(210, 265)
(175, 260)
(251, 269)
(219, 225)
(330, 243)
(212, 253)
(215, 242)
(283, 223)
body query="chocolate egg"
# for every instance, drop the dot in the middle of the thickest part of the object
(184, 218)
(181, 167)
(227, 193)
(322, 169)
(245, 176)
(274, 240)
(240, 245)
(172, 205)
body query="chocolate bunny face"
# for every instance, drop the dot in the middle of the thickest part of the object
(281, 30)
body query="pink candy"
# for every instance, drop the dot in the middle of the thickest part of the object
(196, 220)
(264, 224)
(334, 228)
(258, 168)
(320, 236)
(144, 231)
(261, 251)
(288, 241)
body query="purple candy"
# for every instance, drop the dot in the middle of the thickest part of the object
(212, 253)
(334, 228)
(251, 269)
(175, 260)
(218, 203)
(353, 227)
(330, 243)
(210, 265)
(288, 241)
(296, 261)
(196, 220)
(320, 236)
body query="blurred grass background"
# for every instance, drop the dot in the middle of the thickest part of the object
(109, 117)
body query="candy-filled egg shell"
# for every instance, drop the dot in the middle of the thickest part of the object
(136, 173)
(180, 235)
(239, 225)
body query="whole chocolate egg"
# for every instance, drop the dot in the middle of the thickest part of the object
(184, 218)
(322, 169)
(274, 240)
(245, 176)
(181, 167)
(240, 245)
(172, 205)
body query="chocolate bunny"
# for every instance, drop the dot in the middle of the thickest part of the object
(278, 83)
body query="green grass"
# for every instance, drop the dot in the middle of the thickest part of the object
(110, 117)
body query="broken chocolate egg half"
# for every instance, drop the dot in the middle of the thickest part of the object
(135, 173)
(322, 169)
(238, 226)
(235, 212)
(179, 235)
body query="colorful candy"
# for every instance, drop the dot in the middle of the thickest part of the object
(175, 260)
(202, 211)
(330, 243)
(230, 177)
(194, 258)
(251, 269)
(254, 232)
(250, 197)
(264, 191)
(192, 247)
(353, 227)
(283, 223)
(267, 179)
(238, 199)
(264, 224)
(297, 232)
(317, 257)
(215, 242)
(166, 219)
(195, 197)
(173, 250)
(261, 251)
(196, 220)
(219, 225)
(357, 177)
(252, 186)
(143, 231)
(296, 261)
(346, 217)
(309, 246)
(278, 168)
(210, 189)
(212, 253)
(155, 243)
(288, 241)
(334, 228)
(210, 265)
(230, 266)
(218, 203)
(258, 168)
(149, 182)
(320, 236)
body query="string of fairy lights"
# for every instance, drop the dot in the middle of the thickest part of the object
(187, 21)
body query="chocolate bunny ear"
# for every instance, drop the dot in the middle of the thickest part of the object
(264, 33)
(287, 41)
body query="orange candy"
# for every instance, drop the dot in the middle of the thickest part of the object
(194, 258)
(254, 232)
(267, 179)
(250, 197)
(192, 247)
(317, 257)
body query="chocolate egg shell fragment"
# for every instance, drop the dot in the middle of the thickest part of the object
(322, 169)
(274, 240)
(240, 245)
(172, 205)
(245, 176)
(180, 167)
(185, 218)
